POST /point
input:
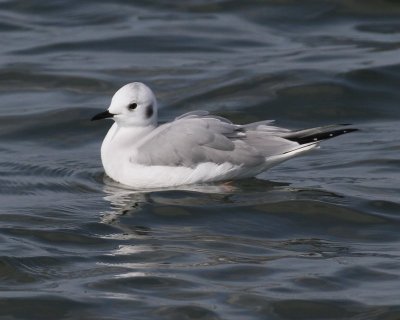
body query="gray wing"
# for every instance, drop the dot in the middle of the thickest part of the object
(198, 137)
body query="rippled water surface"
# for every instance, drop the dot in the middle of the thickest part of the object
(315, 238)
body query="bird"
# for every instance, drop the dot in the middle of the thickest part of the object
(196, 147)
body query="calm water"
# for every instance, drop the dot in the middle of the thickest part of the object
(315, 238)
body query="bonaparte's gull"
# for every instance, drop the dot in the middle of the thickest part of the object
(194, 148)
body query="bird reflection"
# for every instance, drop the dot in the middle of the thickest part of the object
(124, 200)
(248, 192)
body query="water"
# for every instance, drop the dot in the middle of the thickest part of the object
(315, 238)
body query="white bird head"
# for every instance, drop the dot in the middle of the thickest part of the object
(132, 105)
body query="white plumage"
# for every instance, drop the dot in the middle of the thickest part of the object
(194, 148)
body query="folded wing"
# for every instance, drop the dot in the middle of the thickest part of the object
(198, 137)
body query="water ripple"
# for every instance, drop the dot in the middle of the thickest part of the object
(314, 238)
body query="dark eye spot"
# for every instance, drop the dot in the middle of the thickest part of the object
(149, 111)
(132, 106)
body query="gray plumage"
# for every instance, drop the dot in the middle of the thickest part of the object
(197, 137)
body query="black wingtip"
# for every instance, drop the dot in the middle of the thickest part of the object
(321, 136)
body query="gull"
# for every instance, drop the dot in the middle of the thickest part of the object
(194, 148)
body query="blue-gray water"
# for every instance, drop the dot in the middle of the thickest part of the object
(315, 238)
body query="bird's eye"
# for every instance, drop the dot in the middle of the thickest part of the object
(132, 106)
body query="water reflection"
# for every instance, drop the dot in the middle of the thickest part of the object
(139, 213)
(125, 200)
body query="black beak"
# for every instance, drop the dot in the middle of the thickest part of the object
(102, 115)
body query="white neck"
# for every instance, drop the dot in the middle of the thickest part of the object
(118, 144)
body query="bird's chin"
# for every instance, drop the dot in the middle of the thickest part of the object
(118, 119)
(133, 123)
(123, 122)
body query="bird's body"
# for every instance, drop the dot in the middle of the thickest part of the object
(194, 148)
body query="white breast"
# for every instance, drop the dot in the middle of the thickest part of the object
(139, 176)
